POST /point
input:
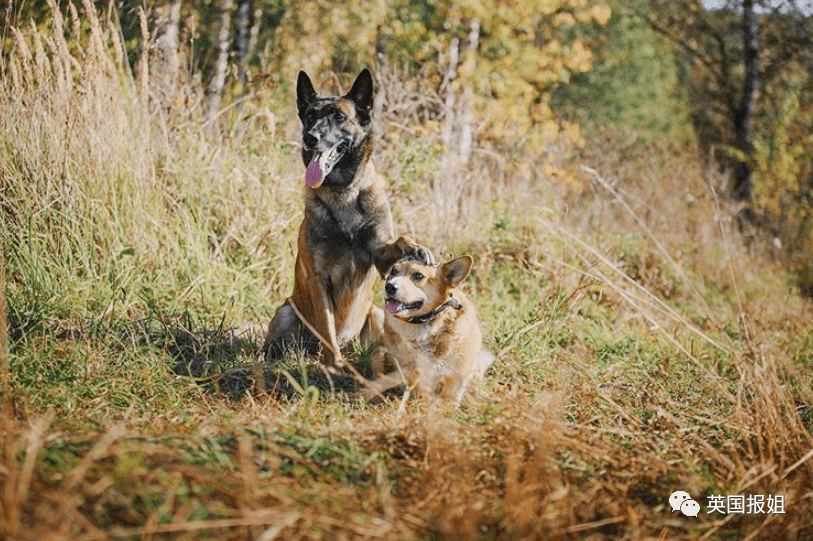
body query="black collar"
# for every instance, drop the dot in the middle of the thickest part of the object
(429, 316)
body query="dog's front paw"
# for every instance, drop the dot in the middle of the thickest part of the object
(386, 256)
(415, 252)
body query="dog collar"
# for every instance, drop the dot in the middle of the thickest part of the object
(431, 315)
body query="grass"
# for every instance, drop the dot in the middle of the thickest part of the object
(642, 348)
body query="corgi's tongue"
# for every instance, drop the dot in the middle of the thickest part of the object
(393, 307)
(318, 168)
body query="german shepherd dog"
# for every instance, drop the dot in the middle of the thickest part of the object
(347, 230)
(432, 339)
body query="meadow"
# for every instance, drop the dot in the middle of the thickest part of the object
(645, 343)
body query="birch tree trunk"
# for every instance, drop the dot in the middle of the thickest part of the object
(467, 70)
(165, 56)
(242, 36)
(255, 28)
(214, 90)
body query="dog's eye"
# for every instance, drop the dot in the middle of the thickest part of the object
(417, 276)
(340, 117)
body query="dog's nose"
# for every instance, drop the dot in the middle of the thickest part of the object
(390, 289)
(309, 140)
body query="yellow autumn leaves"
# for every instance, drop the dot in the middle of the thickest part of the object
(507, 52)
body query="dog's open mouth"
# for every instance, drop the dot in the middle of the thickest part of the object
(322, 164)
(394, 306)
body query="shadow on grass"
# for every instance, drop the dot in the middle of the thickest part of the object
(223, 359)
(231, 361)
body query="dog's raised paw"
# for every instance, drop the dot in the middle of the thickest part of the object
(415, 252)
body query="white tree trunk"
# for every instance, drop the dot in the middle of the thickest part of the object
(214, 91)
(165, 63)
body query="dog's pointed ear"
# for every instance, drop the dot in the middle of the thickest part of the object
(456, 270)
(362, 91)
(305, 94)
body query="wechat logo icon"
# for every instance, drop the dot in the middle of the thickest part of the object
(681, 501)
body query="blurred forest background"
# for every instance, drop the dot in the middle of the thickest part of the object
(502, 78)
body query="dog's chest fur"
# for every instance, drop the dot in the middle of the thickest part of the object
(342, 233)
(438, 356)
(436, 341)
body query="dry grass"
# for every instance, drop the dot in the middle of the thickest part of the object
(642, 348)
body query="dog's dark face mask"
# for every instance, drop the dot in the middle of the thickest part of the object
(335, 130)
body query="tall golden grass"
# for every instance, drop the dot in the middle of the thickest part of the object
(642, 348)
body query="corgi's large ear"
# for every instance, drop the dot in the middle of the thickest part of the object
(305, 94)
(456, 270)
(362, 91)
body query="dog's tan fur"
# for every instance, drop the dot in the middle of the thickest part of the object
(442, 356)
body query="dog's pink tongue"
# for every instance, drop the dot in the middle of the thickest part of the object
(392, 307)
(313, 175)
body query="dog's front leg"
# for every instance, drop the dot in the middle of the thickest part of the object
(373, 326)
(325, 324)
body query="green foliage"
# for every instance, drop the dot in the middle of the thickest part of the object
(780, 165)
(708, 45)
(509, 53)
(783, 177)
(633, 86)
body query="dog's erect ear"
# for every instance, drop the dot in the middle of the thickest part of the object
(305, 94)
(362, 91)
(456, 270)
